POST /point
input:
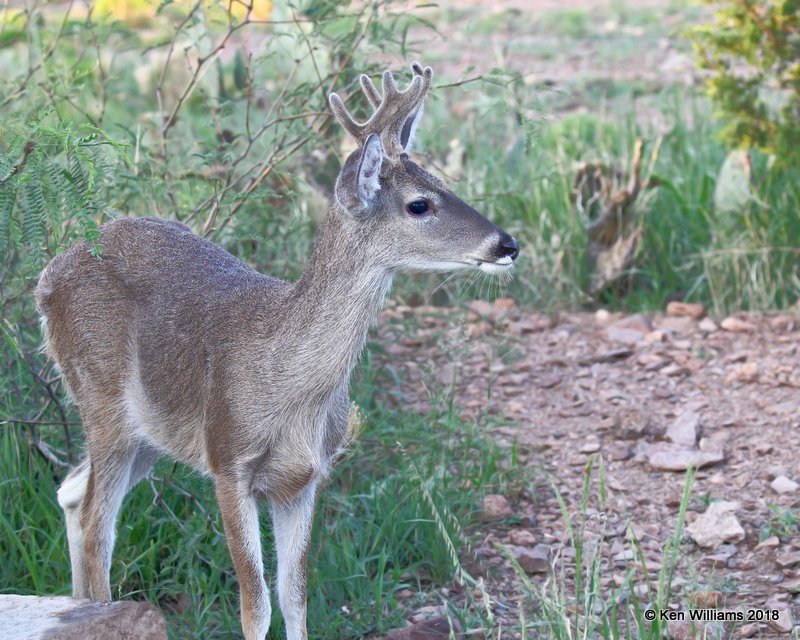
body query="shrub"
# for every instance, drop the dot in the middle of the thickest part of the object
(752, 50)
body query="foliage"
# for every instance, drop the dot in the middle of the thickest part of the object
(752, 50)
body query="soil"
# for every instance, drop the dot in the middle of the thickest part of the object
(560, 47)
(572, 387)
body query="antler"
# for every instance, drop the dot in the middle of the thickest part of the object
(391, 110)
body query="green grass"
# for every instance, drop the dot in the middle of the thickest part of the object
(582, 607)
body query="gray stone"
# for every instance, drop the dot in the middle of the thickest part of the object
(789, 559)
(677, 458)
(784, 623)
(535, 560)
(782, 484)
(625, 336)
(717, 525)
(63, 618)
(683, 430)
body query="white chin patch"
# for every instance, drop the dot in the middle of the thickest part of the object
(502, 265)
(436, 267)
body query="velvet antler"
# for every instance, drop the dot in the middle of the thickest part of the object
(392, 110)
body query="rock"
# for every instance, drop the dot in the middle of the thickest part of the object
(625, 336)
(63, 618)
(704, 599)
(607, 356)
(505, 303)
(481, 307)
(637, 322)
(747, 372)
(735, 325)
(676, 325)
(717, 560)
(440, 628)
(655, 336)
(536, 560)
(495, 507)
(774, 471)
(749, 630)
(673, 370)
(675, 458)
(590, 446)
(633, 424)
(618, 451)
(717, 525)
(792, 586)
(789, 559)
(707, 325)
(602, 316)
(689, 630)
(428, 612)
(683, 430)
(773, 542)
(641, 591)
(692, 310)
(522, 537)
(784, 623)
(782, 484)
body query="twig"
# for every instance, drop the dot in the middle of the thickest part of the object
(10, 421)
(32, 69)
(26, 152)
(53, 398)
(45, 451)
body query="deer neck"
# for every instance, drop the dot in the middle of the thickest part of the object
(334, 303)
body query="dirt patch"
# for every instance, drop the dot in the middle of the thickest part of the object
(561, 47)
(646, 393)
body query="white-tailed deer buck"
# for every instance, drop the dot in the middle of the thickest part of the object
(171, 346)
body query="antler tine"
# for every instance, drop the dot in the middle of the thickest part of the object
(370, 91)
(389, 87)
(427, 78)
(345, 119)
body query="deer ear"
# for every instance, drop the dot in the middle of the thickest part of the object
(368, 183)
(410, 129)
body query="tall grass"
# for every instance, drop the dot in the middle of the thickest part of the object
(573, 602)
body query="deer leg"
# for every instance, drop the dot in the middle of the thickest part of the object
(107, 484)
(240, 518)
(292, 527)
(70, 498)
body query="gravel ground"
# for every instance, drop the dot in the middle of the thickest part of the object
(649, 394)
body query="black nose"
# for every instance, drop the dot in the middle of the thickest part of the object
(508, 247)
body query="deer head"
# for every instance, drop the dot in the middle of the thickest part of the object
(411, 218)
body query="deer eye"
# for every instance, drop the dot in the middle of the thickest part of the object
(418, 207)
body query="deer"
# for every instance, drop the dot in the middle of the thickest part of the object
(170, 346)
